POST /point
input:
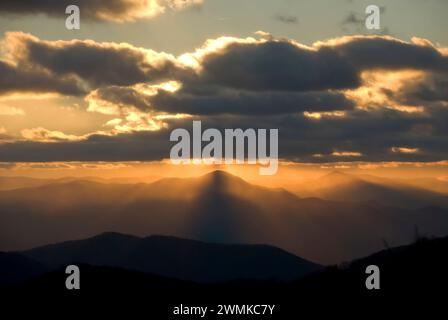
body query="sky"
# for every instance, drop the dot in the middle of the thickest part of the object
(113, 90)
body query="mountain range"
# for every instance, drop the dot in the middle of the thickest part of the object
(403, 193)
(414, 272)
(218, 208)
(159, 255)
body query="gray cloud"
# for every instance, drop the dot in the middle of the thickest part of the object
(371, 133)
(278, 65)
(377, 52)
(286, 18)
(21, 79)
(250, 103)
(99, 10)
(275, 65)
(97, 63)
(431, 88)
(216, 101)
(248, 84)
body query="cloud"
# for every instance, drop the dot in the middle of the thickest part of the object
(4, 136)
(110, 100)
(404, 150)
(369, 133)
(287, 19)
(346, 154)
(355, 97)
(249, 64)
(427, 88)
(354, 18)
(18, 78)
(93, 63)
(269, 76)
(99, 10)
(385, 52)
(6, 110)
(44, 135)
(279, 65)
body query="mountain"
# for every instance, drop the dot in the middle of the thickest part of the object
(417, 270)
(436, 185)
(217, 207)
(338, 186)
(11, 183)
(410, 274)
(16, 268)
(176, 258)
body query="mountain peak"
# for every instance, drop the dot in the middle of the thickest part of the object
(113, 236)
(220, 179)
(219, 173)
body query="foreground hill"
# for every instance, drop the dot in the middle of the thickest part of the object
(176, 258)
(216, 207)
(409, 274)
(16, 268)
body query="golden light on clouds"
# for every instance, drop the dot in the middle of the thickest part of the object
(6, 110)
(408, 109)
(405, 150)
(373, 94)
(211, 46)
(144, 9)
(96, 104)
(44, 135)
(346, 154)
(329, 114)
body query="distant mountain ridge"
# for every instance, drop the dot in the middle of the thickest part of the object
(173, 257)
(417, 270)
(16, 268)
(339, 186)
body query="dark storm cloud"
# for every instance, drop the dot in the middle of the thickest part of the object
(278, 65)
(21, 79)
(379, 52)
(217, 101)
(373, 134)
(251, 84)
(123, 147)
(286, 66)
(99, 63)
(249, 103)
(275, 65)
(431, 88)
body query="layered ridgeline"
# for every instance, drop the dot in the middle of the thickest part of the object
(164, 256)
(216, 207)
(404, 193)
(115, 265)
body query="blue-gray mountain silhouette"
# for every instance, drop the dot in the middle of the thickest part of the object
(177, 258)
(16, 268)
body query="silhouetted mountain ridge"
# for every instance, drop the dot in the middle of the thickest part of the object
(15, 268)
(177, 258)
